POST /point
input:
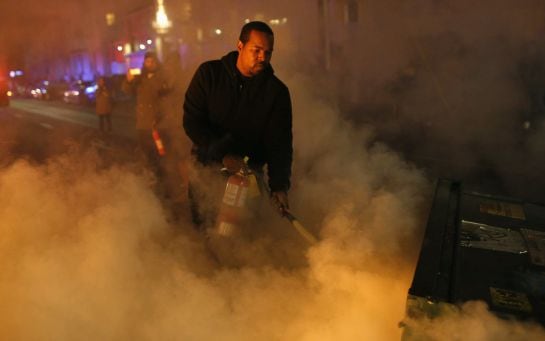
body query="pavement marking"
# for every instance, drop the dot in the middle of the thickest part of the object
(64, 114)
(77, 116)
(47, 126)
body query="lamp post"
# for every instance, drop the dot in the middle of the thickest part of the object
(161, 26)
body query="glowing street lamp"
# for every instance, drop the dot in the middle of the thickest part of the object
(161, 23)
(161, 26)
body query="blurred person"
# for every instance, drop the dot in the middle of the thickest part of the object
(103, 105)
(236, 107)
(149, 87)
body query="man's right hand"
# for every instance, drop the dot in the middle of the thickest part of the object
(279, 200)
(233, 163)
(130, 76)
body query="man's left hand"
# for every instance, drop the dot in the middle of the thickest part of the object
(233, 163)
(280, 201)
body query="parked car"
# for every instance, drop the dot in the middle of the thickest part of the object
(47, 90)
(90, 92)
(39, 90)
(80, 93)
(56, 90)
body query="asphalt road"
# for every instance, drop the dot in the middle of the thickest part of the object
(38, 130)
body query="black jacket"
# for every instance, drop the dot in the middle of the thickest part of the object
(225, 113)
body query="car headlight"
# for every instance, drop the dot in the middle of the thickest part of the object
(91, 89)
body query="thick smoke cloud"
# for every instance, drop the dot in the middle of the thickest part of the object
(453, 84)
(474, 322)
(87, 250)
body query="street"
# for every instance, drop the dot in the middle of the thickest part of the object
(39, 130)
(42, 129)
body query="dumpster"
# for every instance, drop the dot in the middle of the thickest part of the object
(480, 247)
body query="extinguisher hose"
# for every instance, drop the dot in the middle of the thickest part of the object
(309, 237)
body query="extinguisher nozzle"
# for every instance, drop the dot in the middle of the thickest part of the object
(309, 237)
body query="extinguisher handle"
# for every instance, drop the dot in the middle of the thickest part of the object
(244, 170)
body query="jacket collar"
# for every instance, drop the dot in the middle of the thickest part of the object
(230, 63)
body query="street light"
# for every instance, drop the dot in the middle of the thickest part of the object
(161, 26)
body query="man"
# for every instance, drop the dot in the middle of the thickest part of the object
(236, 107)
(150, 87)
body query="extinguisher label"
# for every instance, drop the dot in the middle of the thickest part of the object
(225, 229)
(230, 196)
(235, 195)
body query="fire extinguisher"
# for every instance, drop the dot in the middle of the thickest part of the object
(233, 206)
(158, 142)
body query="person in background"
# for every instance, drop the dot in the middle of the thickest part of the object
(148, 87)
(103, 106)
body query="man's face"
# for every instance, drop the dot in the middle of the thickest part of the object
(150, 64)
(256, 54)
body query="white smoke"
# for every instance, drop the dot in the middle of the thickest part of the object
(473, 321)
(87, 251)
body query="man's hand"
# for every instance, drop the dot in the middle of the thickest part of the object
(233, 163)
(130, 76)
(280, 201)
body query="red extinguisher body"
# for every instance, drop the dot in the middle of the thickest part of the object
(233, 206)
(158, 142)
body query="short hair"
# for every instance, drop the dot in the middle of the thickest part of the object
(150, 54)
(254, 26)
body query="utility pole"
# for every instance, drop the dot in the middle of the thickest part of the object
(161, 25)
(323, 8)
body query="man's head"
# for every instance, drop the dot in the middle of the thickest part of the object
(150, 62)
(255, 47)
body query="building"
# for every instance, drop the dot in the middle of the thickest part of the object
(106, 40)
